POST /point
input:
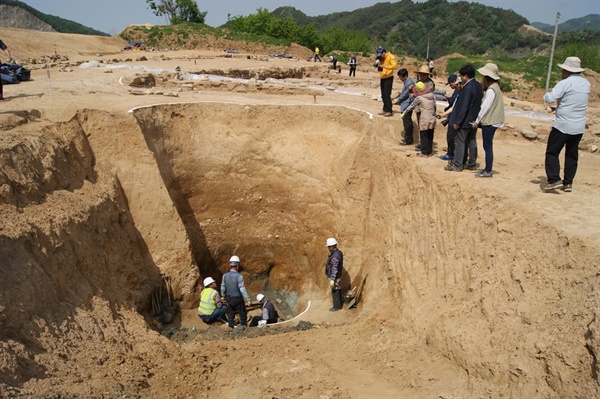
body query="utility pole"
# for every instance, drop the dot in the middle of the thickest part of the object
(552, 51)
(427, 46)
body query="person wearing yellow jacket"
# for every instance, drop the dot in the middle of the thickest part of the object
(386, 65)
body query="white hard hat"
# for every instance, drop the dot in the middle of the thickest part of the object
(260, 297)
(234, 259)
(208, 281)
(331, 242)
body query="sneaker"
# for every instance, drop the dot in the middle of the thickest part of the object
(553, 186)
(483, 173)
(382, 113)
(472, 167)
(386, 114)
(420, 154)
(446, 157)
(567, 188)
(333, 309)
(418, 147)
(404, 142)
(453, 168)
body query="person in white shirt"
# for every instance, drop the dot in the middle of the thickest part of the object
(491, 114)
(571, 95)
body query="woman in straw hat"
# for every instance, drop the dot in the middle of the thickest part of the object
(491, 115)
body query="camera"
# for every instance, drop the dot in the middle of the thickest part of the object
(376, 64)
(445, 122)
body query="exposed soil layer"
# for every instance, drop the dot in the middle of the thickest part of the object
(475, 287)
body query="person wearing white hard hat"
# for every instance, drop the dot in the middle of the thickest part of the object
(571, 95)
(211, 307)
(234, 291)
(269, 313)
(333, 271)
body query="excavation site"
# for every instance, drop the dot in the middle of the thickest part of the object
(117, 204)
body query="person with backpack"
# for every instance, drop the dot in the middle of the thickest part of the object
(4, 48)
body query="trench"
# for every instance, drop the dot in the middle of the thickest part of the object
(183, 187)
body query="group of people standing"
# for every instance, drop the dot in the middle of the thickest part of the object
(474, 105)
(232, 300)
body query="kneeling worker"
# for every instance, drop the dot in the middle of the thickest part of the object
(211, 307)
(269, 314)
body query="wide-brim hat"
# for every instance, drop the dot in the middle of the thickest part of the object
(572, 64)
(424, 69)
(490, 70)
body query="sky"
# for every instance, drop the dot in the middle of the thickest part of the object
(112, 16)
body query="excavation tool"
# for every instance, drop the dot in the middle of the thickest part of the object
(358, 292)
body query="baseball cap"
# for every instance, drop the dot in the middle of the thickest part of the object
(451, 78)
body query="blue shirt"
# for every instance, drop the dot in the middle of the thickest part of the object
(232, 285)
(571, 95)
(404, 99)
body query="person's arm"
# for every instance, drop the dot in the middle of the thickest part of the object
(490, 96)
(242, 288)
(218, 300)
(265, 313)
(223, 289)
(445, 113)
(412, 105)
(6, 50)
(556, 93)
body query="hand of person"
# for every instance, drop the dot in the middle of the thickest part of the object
(402, 115)
(439, 116)
(474, 125)
(331, 283)
(455, 126)
(248, 303)
(379, 69)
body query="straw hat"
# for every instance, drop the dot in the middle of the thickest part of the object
(572, 64)
(424, 69)
(490, 70)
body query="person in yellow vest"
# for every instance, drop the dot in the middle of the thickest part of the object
(317, 57)
(211, 307)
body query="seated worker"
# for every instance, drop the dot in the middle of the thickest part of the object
(211, 307)
(269, 314)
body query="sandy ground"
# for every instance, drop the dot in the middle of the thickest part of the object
(475, 287)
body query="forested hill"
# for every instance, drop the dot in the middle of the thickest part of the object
(589, 22)
(408, 27)
(58, 24)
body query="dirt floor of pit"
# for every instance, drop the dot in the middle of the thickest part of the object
(475, 288)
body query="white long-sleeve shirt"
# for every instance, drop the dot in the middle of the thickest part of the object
(571, 95)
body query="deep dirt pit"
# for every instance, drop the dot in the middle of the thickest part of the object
(468, 295)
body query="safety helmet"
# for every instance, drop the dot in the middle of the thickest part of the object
(420, 86)
(260, 297)
(208, 281)
(234, 259)
(331, 242)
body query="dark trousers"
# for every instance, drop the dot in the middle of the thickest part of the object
(386, 93)
(426, 141)
(336, 295)
(216, 315)
(556, 141)
(487, 133)
(352, 71)
(408, 127)
(235, 304)
(450, 135)
(465, 140)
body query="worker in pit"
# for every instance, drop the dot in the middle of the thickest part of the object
(211, 307)
(269, 313)
(234, 291)
(333, 270)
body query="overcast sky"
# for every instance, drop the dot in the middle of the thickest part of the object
(112, 16)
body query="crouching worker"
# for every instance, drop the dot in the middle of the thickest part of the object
(211, 307)
(269, 314)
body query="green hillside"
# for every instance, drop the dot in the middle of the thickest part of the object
(589, 22)
(58, 24)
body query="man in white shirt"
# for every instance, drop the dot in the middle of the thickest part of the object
(571, 95)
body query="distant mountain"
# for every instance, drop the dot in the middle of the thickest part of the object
(16, 14)
(411, 28)
(589, 22)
